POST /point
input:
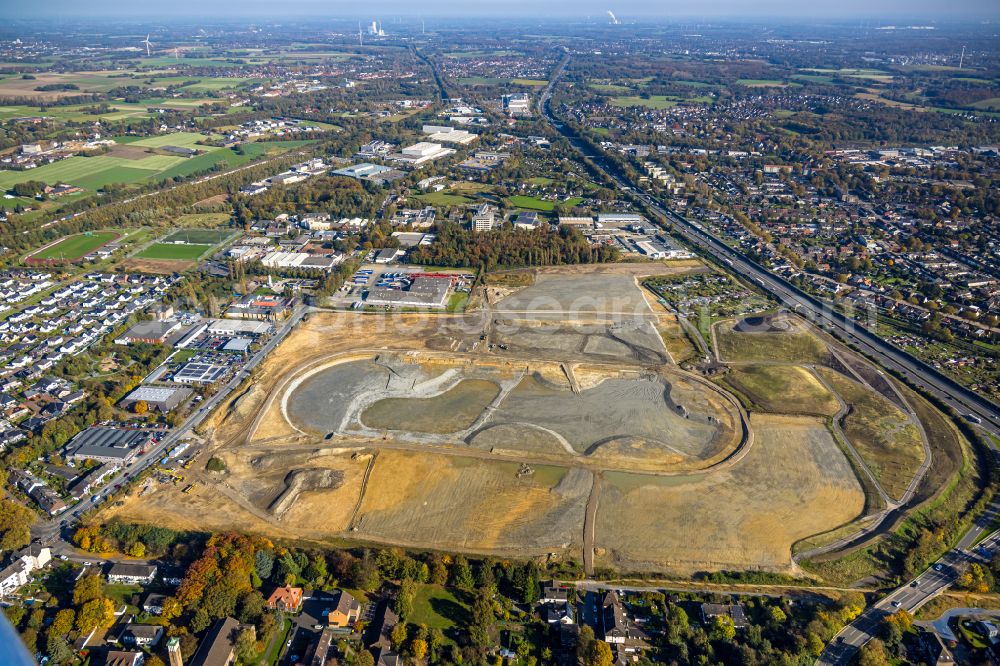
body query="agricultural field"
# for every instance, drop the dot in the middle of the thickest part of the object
(74, 247)
(651, 102)
(782, 389)
(94, 173)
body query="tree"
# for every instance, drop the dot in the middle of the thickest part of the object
(405, 597)
(87, 589)
(140, 407)
(461, 574)
(246, 645)
(138, 549)
(15, 525)
(58, 649)
(583, 642)
(598, 654)
(364, 658)
(398, 636)
(418, 648)
(264, 563)
(95, 613)
(723, 628)
(62, 624)
(777, 615)
(873, 654)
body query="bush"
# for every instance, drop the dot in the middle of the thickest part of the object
(215, 465)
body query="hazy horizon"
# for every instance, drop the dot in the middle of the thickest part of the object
(899, 10)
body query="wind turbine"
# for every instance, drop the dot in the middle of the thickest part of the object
(148, 44)
(961, 58)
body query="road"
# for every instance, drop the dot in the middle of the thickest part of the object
(944, 572)
(910, 597)
(49, 531)
(912, 369)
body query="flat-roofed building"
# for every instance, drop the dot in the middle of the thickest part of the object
(153, 332)
(119, 445)
(159, 398)
(425, 292)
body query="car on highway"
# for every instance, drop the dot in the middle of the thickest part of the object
(938, 567)
(896, 604)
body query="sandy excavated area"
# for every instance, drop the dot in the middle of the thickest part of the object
(465, 504)
(793, 483)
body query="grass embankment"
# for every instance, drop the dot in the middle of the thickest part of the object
(883, 435)
(786, 347)
(783, 389)
(948, 499)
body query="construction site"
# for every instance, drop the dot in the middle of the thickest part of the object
(553, 420)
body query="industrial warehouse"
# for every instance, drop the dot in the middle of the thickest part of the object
(424, 292)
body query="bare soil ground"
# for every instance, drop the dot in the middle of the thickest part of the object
(793, 483)
(156, 266)
(129, 152)
(472, 493)
(473, 505)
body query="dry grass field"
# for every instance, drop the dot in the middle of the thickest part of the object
(883, 435)
(793, 483)
(794, 346)
(782, 389)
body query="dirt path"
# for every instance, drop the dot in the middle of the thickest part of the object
(589, 519)
(352, 523)
(839, 432)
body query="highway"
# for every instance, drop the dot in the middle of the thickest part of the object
(49, 531)
(909, 597)
(917, 372)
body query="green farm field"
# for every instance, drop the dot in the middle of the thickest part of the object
(76, 246)
(651, 102)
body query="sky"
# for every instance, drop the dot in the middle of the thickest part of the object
(900, 10)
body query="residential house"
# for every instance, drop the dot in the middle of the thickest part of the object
(287, 599)
(346, 611)
(131, 574)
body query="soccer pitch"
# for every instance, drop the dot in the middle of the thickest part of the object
(73, 247)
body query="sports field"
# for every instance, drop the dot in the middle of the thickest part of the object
(74, 247)
(199, 236)
(173, 251)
